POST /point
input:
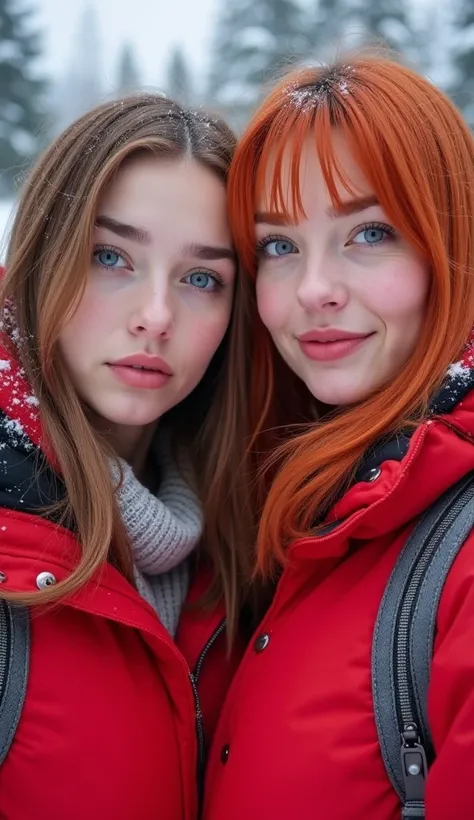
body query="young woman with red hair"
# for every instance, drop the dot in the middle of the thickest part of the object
(352, 204)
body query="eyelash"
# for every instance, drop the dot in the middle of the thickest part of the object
(220, 281)
(262, 243)
(370, 226)
(110, 249)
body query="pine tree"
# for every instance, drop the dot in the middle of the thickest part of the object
(179, 83)
(81, 87)
(462, 86)
(347, 23)
(254, 40)
(434, 26)
(329, 27)
(128, 77)
(387, 21)
(21, 93)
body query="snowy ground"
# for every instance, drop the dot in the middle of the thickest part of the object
(6, 215)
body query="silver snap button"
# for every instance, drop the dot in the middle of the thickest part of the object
(3, 577)
(225, 753)
(45, 579)
(374, 474)
(261, 642)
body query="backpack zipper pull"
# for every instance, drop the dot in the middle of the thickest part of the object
(414, 765)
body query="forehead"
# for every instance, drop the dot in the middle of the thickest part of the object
(151, 192)
(308, 173)
(148, 172)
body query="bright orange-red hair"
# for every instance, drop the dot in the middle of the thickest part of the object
(417, 154)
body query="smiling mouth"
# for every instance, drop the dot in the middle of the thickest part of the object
(332, 349)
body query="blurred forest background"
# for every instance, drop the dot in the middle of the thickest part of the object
(252, 42)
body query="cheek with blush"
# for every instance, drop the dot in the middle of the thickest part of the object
(273, 303)
(400, 294)
(88, 319)
(203, 339)
(398, 297)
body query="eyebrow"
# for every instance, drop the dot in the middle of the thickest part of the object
(351, 206)
(205, 252)
(209, 252)
(123, 230)
(271, 218)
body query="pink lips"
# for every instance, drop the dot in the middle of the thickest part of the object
(329, 344)
(142, 370)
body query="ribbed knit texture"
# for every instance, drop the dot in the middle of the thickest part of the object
(163, 530)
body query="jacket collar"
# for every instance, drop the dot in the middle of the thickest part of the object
(456, 387)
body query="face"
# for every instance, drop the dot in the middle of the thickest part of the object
(341, 293)
(158, 296)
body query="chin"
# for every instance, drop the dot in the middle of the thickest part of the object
(135, 419)
(134, 416)
(340, 395)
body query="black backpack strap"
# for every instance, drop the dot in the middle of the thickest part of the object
(403, 642)
(14, 664)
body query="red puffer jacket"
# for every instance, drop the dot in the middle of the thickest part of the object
(297, 736)
(108, 727)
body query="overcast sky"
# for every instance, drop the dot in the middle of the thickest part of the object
(152, 26)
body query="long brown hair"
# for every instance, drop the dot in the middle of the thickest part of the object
(417, 154)
(49, 253)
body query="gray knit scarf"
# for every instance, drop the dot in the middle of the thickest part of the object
(163, 530)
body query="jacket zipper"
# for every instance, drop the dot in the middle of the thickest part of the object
(414, 746)
(3, 648)
(210, 643)
(194, 678)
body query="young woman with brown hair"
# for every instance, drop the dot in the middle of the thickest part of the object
(120, 304)
(352, 204)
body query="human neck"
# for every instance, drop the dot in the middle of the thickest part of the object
(133, 444)
(128, 442)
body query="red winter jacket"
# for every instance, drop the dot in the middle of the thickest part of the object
(108, 728)
(297, 738)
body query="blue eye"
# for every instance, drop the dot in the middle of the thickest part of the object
(108, 258)
(372, 235)
(275, 247)
(202, 280)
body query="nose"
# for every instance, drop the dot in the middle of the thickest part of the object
(321, 287)
(153, 316)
